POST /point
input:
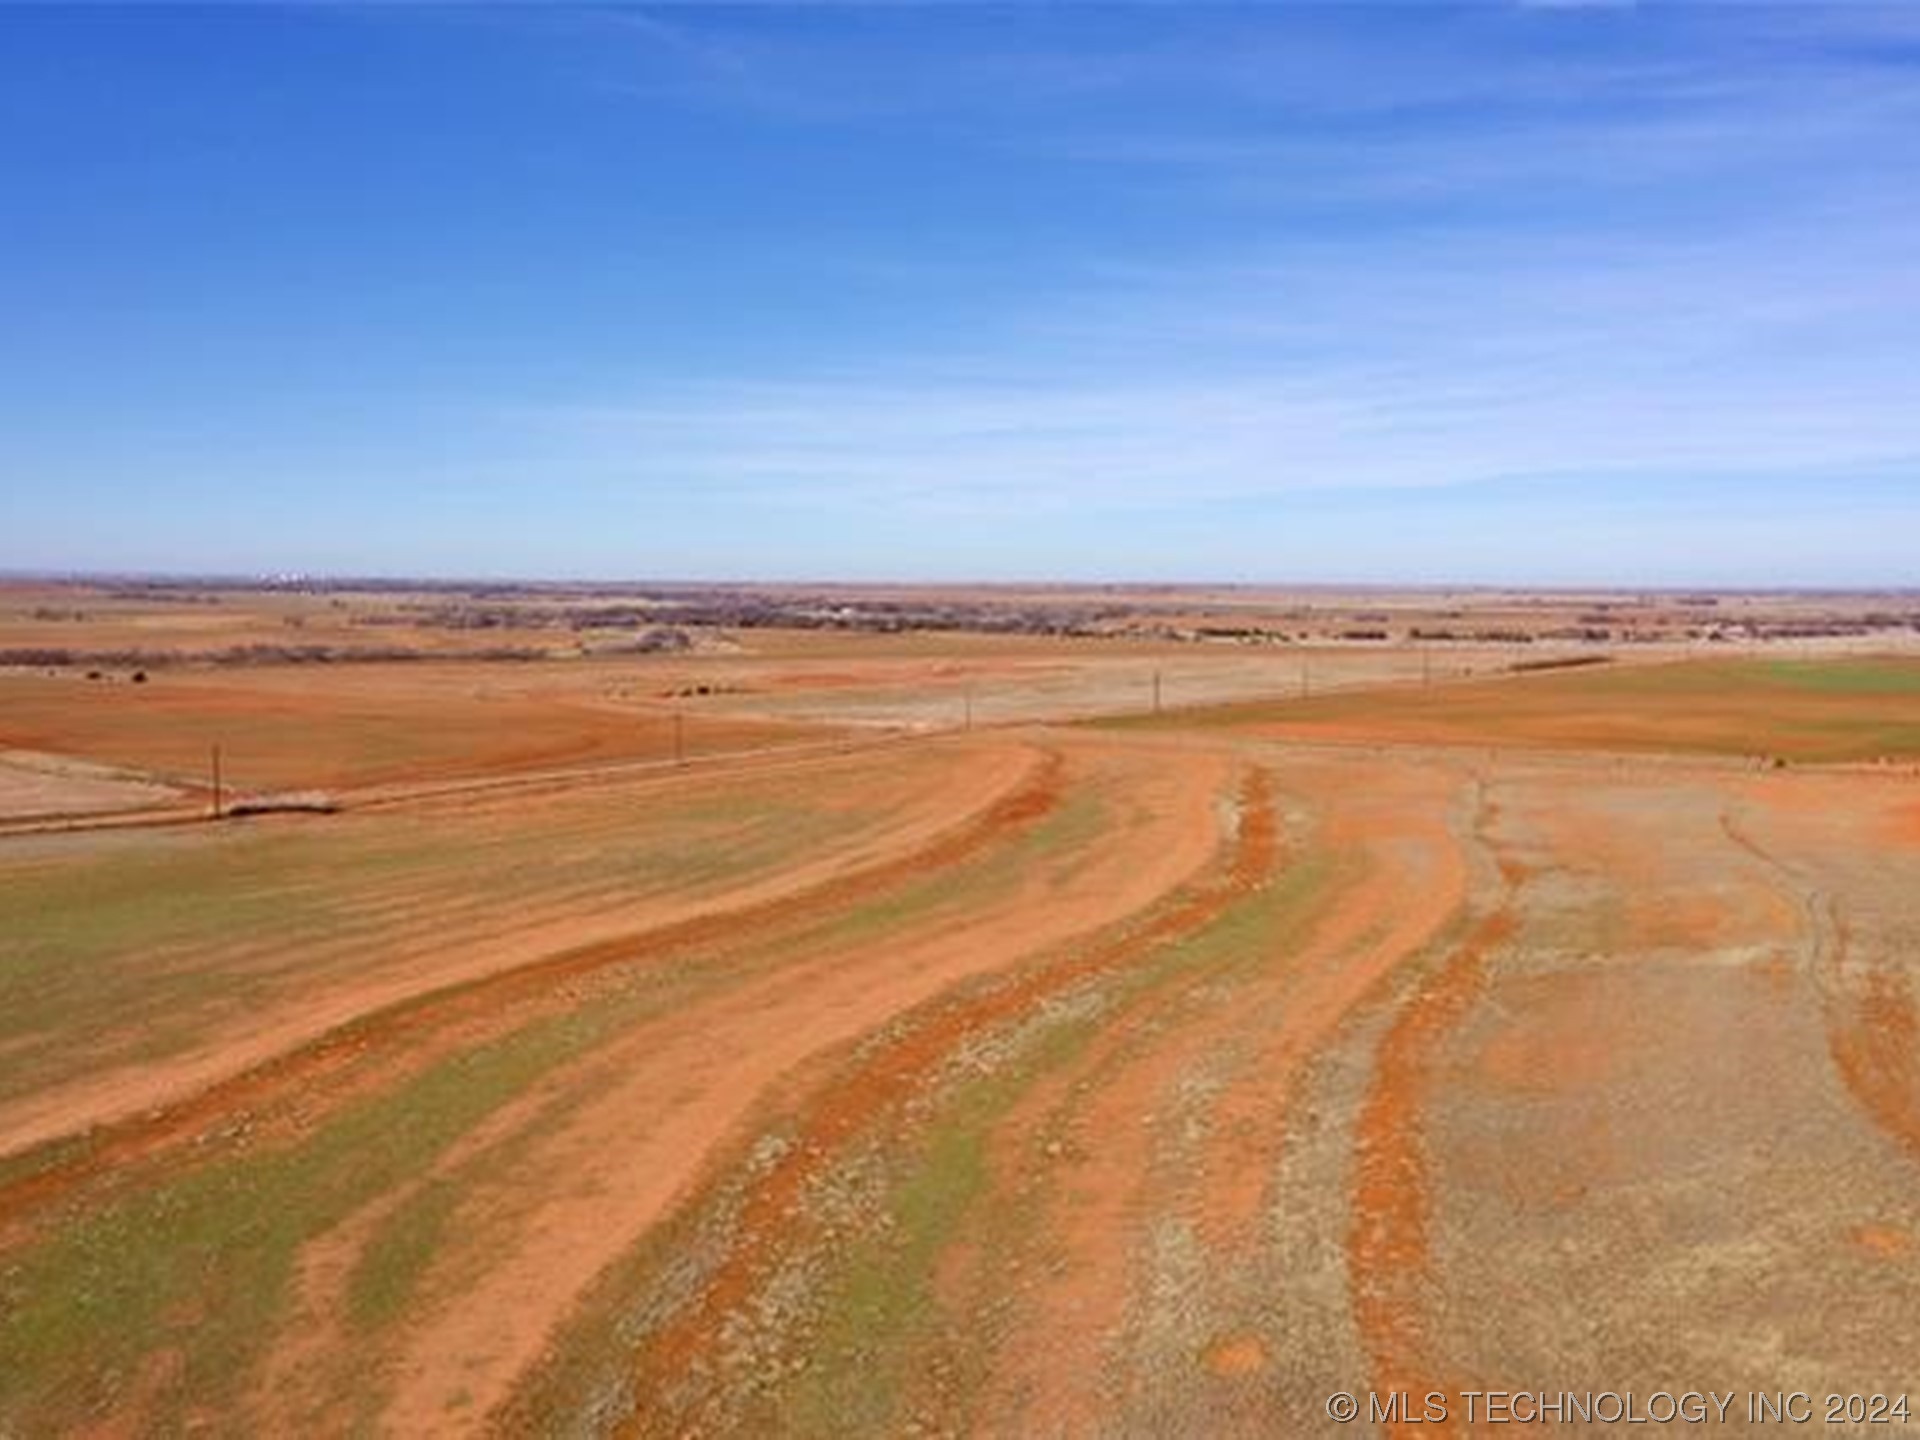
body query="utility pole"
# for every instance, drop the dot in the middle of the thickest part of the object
(216, 782)
(1156, 692)
(1306, 677)
(679, 738)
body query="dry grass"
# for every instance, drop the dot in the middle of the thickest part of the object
(1805, 710)
(1157, 1073)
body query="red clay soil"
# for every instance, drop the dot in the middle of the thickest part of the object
(423, 948)
(151, 1126)
(1416, 882)
(1400, 877)
(1175, 1118)
(866, 1097)
(1719, 708)
(1866, 996)
(673, 1093)
(355, 725)
(1902, 826)
(1561, 1169)
(534, 1232)
(1873, 1023)
(1389, 1250)
(1875, 1037)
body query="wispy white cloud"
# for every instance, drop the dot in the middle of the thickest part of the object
(1720, 284)
(1326, 368)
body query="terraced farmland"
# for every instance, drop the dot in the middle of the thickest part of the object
(1156, 1077)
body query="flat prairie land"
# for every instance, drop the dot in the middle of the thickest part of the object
(1865, 708)
(283, 728)
(1041, 1065)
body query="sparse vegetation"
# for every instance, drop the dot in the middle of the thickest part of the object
(929, 1076)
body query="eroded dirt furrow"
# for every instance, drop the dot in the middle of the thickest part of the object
(866, 1102)
(657, 1103)
(1150, 1162)
(332, 979)
(1418, 884)
(466, 1009)
(1390, 1259)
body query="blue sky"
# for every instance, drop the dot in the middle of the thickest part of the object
(1510, 293)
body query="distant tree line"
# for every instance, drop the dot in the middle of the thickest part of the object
(60, 656)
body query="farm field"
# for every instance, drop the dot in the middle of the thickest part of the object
(1861, 709)
(285, 728)
(862, 1063)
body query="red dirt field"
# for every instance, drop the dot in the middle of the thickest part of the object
(446, 918)
(1162, 1075)
(1865, 709)
(346, 725)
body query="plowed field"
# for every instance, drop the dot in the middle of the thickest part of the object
(1156, 1077)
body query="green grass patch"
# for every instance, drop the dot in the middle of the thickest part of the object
(130, 949)
(1847, 677)
(879, 1315)
(878, 1325)
(203, 1261)
(87, 945)
(390, 1269)
(1803, 710)
(1077, 823)
(882, 1303)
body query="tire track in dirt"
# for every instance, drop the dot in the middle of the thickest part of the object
(863, 1099)
(1391, 1277)
(74, 1163)
(1867, 1003)
(1635, 1118)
